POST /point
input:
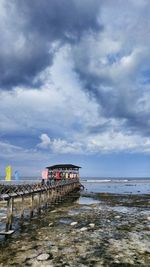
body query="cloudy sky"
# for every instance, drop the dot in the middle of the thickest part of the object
(75, 86)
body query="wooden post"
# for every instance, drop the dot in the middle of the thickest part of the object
(32, 205)
(49, 195)
(9, 214)
(22, 207)
(52, 197)
(46, 198)
(57, 195)
(39, 202)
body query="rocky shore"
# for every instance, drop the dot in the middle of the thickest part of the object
(100, 230)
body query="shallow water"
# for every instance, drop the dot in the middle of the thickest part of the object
(65, 221)
(123, 209)
(87, 201)
(118, 187)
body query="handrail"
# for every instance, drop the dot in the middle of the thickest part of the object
(7, 191)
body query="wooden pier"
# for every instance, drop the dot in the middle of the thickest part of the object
(33, 197)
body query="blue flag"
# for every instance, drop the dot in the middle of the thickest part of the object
(17, 176)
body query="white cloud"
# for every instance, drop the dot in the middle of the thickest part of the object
(65, 147)
(107, 142)
(45, 141)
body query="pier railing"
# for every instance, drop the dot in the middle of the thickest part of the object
(8, 191)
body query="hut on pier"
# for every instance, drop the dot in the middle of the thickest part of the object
(63, 171)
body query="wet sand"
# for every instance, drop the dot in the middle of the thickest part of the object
(96, 230)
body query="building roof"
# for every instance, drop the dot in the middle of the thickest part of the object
(68, 166)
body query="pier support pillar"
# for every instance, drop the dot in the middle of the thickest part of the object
(10, 203)
(39, 202)
(32, 205)
(22, 207)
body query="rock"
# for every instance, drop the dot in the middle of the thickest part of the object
(43, 257)
(116, 256)
(53, 211)
(50, 244)
(116, 262)
(73, 223)
(41, 264)
(98, 264)
(83, 229)
(117, 217)
(148, 218)
(54, 250)
(91, 225)
(50, 224)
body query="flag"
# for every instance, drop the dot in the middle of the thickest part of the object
(45, 174)
(17, 176)
(8, 173)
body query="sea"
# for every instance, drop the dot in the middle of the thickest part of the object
(117, 185)
(101, 185)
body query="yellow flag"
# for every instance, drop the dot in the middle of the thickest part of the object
(8, 173)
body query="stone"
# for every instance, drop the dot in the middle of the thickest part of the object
(43, 257)
(92, 225)
(117, 217)
(73, 223)
(50, 244)
(83, 229)
(41, 264)
(148, 218)
(54, 250)
(50, 224)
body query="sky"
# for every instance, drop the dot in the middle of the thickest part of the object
(75, 86)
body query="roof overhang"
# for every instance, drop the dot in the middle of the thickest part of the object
(63, 166)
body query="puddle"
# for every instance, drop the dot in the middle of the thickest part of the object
(145, 212)
(86, 208)
(123, 209)
(65, 221)
(3, 212)
(87, 201)
(74, 212)
(81, 210)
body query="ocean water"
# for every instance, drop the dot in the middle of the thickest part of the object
(117, 185)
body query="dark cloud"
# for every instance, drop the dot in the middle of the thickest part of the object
(115, 103)
(61, 19)
(29, 28)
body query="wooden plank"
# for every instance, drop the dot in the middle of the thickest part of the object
(13, 194)
(10, 232)
(4, 196)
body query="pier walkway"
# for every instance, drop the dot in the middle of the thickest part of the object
(33, 197)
